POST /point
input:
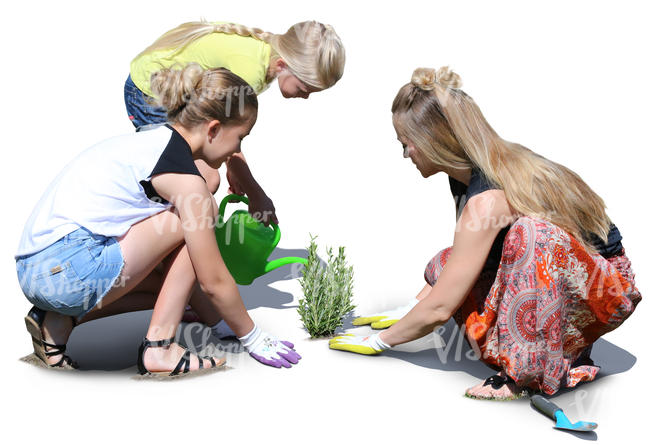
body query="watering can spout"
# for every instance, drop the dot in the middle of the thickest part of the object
(279, 262)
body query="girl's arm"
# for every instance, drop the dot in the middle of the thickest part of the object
(482, 218)
(197, 209)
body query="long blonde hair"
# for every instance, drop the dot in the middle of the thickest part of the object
(447, 126)
(312, 51)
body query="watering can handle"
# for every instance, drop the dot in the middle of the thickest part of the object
(244, 199)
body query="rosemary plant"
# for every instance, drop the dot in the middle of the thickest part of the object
(327, 292)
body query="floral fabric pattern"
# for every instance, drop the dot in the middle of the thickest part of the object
(547, 302)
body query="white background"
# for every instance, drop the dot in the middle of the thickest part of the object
(568, 80)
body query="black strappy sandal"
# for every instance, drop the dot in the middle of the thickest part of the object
(34, 323)
(496, 382)
(183, 363)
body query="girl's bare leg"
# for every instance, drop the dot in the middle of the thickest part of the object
(143, 247)
(141, 298)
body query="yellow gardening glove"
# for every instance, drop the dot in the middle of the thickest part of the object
(385, 319)
(361, 344)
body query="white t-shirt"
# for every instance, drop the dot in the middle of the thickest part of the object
(107, 187)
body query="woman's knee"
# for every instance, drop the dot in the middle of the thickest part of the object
(212, 180)
(435, 265)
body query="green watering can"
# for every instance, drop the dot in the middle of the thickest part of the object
(245, 243)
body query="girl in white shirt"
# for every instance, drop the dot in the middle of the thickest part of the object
(127, 204)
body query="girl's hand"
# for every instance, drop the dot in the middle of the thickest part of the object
(267, 349)
(367, 345)
(262, 209)
(235, 187)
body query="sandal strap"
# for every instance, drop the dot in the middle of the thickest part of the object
(56, 349)
(497, 381)
(146, 344)
(64, 359)
(184, 363)
(157, 343)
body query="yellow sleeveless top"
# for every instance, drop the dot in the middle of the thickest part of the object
(247, 57)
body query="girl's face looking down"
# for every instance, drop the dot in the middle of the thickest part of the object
(290, 86)
(222, 141)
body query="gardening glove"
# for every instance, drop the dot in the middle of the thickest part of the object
(368, 345)
(267, 349)
(386, 319)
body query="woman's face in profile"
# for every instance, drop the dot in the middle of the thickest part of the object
(421, 162)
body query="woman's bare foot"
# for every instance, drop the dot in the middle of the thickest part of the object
(509, 391)
(165, 358)
(56, 330)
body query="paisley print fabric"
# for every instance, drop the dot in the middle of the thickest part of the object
(547, 302)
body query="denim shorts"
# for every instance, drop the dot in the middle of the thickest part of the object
(142, 115)
(72, 275)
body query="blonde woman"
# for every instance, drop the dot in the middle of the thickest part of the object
(537, 272)
(125, 205)
(309, 57)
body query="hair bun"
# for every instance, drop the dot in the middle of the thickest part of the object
(447, 78)
(174, 88)
(427, 78)
(424, 78)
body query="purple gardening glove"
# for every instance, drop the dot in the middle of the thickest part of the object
(267, 349)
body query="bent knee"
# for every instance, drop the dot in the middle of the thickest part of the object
(213, 180)
(211, 175)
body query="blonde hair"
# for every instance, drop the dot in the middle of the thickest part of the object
(192, 96)
(447, 126)
(312, 51)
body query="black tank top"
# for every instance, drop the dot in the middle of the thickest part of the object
(478, 183)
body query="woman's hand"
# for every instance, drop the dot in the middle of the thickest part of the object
(482, 218)
(385, 319)
(367, 345)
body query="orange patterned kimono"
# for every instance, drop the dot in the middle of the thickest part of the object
(548, 301)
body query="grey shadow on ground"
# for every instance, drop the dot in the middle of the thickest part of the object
(111, 343)
(455, 354)
(261, 294)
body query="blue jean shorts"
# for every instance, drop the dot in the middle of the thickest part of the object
(142, 115)
(72, 275)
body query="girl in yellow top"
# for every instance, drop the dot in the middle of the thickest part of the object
(309, 57)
